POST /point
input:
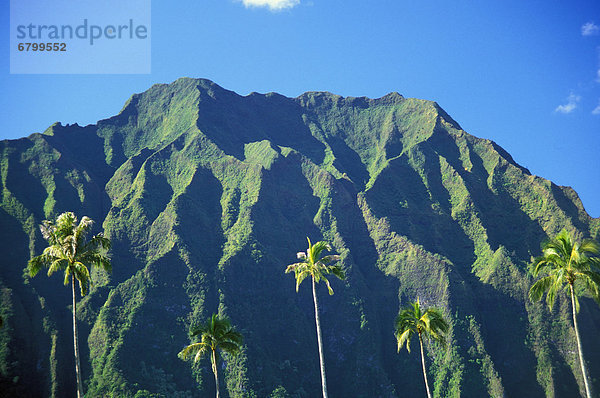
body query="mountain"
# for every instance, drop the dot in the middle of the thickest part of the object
(207, 196)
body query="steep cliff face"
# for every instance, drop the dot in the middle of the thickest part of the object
(208, 195)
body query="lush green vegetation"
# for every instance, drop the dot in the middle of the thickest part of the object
(205, 195)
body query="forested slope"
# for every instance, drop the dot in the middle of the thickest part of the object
(207, 196)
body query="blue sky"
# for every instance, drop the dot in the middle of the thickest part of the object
(525, 74)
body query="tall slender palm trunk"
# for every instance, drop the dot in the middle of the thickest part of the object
(423, 363)
(76, 343)
(588, 392)
(319, 340)
(215, 371)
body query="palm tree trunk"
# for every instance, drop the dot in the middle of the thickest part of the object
(75, 343)
(423, 363)
(581, 361)
(319, 340)
(215, 371)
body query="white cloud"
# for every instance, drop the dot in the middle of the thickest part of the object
(598, 76)
(273, 5)
(596, 110)
(570, 106)
(590, 29)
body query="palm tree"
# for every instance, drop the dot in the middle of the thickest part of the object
(568, 265)
(216, 335)
(426, 324)
(69, 251)
(317, 267)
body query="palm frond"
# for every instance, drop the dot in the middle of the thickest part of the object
(440, 339)
(315, 271)
(404, 339)
(81, 271)
(590, 246)
(329, 258)
(47, 230)
(594, 264)
(592, 276)
(230, 347)
(55, 251)
(552, 291)
(437, 326)
(82, 274)
(67, 276)
(57, 265)
(36, 264)
(537, 290)
(293, 267)
(337, 271)
(300, 276)
(95, 258)
(232, 335)
(81, 230)
(98, 241)
(539, 265)
(591, 282)
(83, 285)
(64, 226)
(329, 289)
(316, 250)
(197, 350)
(562, 243)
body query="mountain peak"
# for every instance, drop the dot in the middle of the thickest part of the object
(207, 194)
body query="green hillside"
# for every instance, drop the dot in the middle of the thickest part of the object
(207, 196)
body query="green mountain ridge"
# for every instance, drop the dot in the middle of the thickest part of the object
(207, 196)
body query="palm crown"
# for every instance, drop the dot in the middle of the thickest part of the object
(567, 264)
(430, 324)
(69, 251)
(314, 265)
(216, 335)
